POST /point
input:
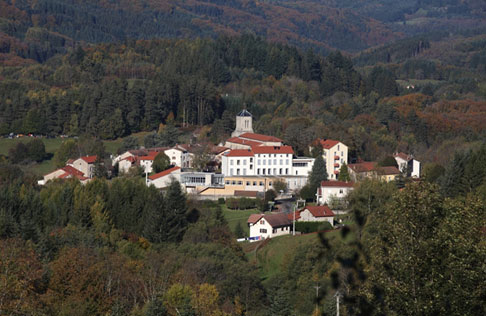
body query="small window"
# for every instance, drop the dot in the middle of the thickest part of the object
(238, 162)
(240, 182)
(270, 183)
(261, 183)
(251, 159)
(247, 182)
(227, 182)
(263, 231)
(231, 161)
(340, 190)
(262, 222)
(233, 182)
(254, 183)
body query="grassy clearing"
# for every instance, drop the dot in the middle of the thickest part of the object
(233, 217)
(272, 255)
(52, 144)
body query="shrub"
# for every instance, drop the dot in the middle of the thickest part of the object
(311, 227)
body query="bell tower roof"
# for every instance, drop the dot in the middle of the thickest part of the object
(244, 112)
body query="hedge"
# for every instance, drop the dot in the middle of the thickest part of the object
(310, 227)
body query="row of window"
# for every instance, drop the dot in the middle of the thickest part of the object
(262, 162)
(248, 183)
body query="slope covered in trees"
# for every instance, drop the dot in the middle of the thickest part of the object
(39, 29)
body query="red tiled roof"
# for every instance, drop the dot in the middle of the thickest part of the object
(389, 170)
(362, 166)
(328, 143)
(130, 158)
(273, 150)
(254, 218)
(89, 159)
(403, 156)
(319, 211)
(291, 215)
(240, 153)
(260, 137)
(336, 184)
(150, 156)
(70, 161)
(72, 171)
(163, 173)
(246, 142)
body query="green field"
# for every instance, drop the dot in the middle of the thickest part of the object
(271, 255)
(233, 217)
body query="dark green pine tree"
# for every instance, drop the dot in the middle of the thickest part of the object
(452, 181)
(175, 210)
(344, 173)
(318, 174)
(154, 217)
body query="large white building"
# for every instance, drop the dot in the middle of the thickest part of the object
(261, 160)
(335, 154)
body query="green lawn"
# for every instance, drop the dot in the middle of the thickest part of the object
(233, 217)
(271, 256)
(52, 144)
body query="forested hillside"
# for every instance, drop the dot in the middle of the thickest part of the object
(39, 29)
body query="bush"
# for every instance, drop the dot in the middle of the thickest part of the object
(221, 201)
(311, 227)
(240, 203)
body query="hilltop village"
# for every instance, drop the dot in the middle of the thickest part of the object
(249, 165)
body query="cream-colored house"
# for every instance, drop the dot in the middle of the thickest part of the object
(269, 226)
(407, 163)
(371, 170)
(320, 213)
(85, 164)
(163, 179)
(64, 173)
(335, 154)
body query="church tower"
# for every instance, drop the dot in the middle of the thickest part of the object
(243, 123)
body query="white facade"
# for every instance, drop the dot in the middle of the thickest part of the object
(335, 157)
(164, 178)
(263, 229)
(328, 190)
(146, 164)
(124, 165)
(302, 166)
(178, 157)
(306, 216)
(256, 164)
(406, 163)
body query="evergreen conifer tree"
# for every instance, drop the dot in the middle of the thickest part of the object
(175, 209)
(344, 173)
(318, 174)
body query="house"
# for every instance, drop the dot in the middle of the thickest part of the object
(126, 163)
(85, 164)
(371, 170)
(65, 172)
(163, 179)
(335, 154)
(179, 156)
(269, 226)
(147, 161)
(329, 190)
(408, 164)
(320, 213)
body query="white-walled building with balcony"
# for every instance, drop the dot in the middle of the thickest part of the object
(335, 154)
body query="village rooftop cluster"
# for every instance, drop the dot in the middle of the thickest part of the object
(250, 164)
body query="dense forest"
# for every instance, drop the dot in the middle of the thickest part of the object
(41, 28)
